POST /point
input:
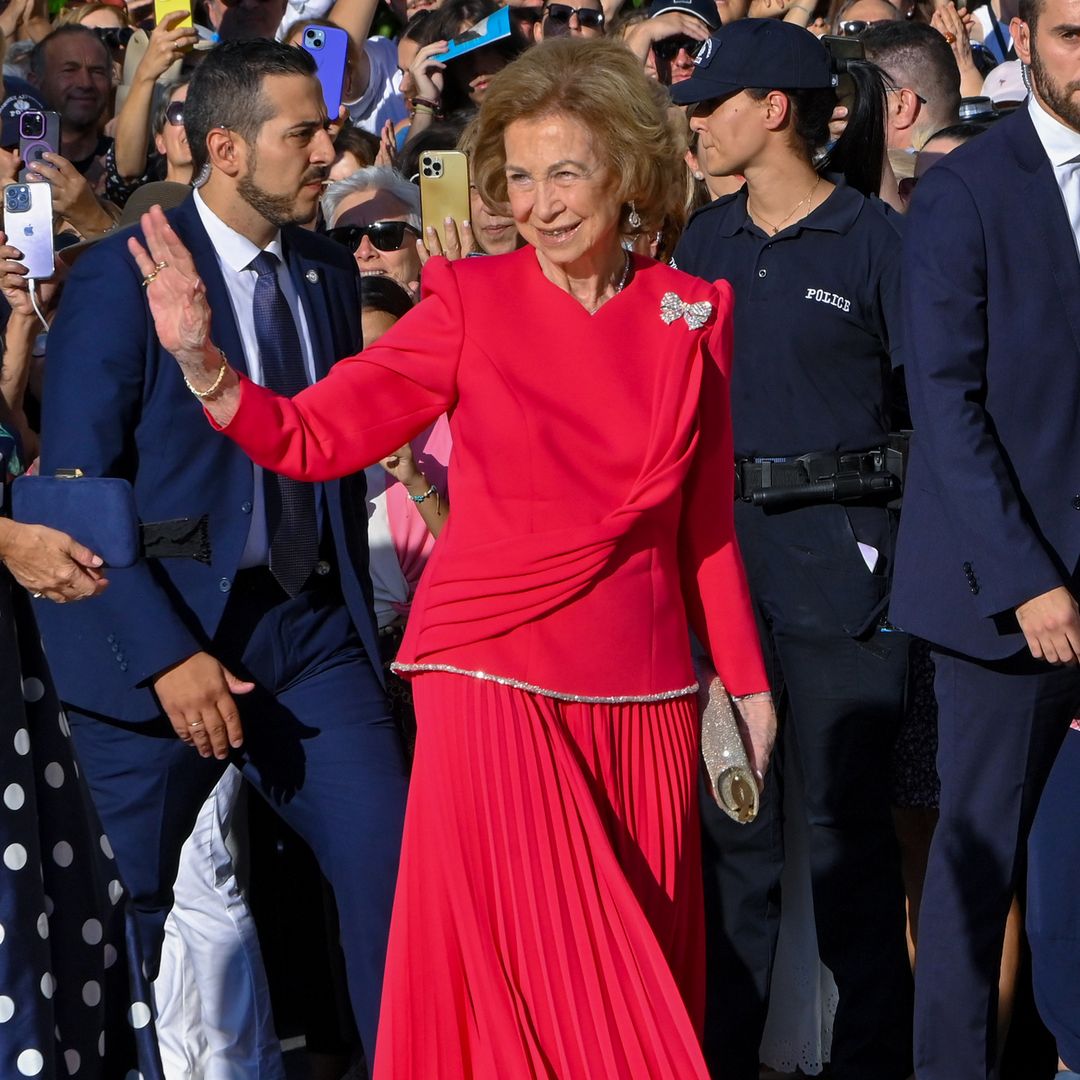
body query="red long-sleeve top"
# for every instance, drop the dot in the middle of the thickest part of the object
(592, 476)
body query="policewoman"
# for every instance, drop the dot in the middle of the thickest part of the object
(815, 268)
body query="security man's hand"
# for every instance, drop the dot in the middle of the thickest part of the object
(1051, 624)
(197, 697)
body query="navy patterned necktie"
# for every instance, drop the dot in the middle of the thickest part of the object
(290, 504)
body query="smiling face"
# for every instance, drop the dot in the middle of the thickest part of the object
(366, 208)
(171, 141)
(562, 193)
(77, 79)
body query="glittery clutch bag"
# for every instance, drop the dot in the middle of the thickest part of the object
(731, 780)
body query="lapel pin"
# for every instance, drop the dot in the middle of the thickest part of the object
(313, 276)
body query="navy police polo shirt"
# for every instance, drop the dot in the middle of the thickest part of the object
(817, 322)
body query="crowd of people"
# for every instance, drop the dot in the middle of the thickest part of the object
(742, 370)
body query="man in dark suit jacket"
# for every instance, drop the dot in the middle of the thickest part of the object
(268, 655)
(990, 532)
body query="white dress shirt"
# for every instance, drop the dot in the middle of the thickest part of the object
(234, 254)
(1062, 146)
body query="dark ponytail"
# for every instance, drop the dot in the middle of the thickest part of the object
(858, 155)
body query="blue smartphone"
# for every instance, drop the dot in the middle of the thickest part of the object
(329, 46)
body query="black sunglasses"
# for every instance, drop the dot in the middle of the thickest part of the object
(590, 18)
(384, 235)
(668, 48)
(174, 113)
(115, 37)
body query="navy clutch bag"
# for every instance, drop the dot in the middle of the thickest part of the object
(99, 511)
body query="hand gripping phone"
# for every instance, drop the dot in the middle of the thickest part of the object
(444, 189)
(28, 222)
(167, 7)
(329, 47)
(39, 133)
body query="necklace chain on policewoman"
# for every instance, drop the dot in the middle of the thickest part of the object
(798, 206)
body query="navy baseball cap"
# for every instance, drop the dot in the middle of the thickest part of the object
(705, 10)
(769, 53)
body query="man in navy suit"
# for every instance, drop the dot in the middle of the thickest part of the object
(990, 532)
(268, 655)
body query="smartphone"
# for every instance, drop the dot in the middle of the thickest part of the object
(844, 48)
(28, 222)
(444, 189)
(39, 133)
(329, 46)
(167, 7)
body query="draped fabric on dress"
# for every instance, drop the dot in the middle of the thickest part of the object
(548, 918)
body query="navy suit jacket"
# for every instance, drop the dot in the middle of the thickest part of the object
(991, 512)
(115, 404)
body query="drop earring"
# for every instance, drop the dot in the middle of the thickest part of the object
(634, 218)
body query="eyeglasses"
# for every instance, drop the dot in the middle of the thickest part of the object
(900, 89)
(383, 235)
(115, 37)
(174, 113)
(854, 27)
(668, 48)
(590, 18)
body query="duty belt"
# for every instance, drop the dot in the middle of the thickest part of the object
(785, 482)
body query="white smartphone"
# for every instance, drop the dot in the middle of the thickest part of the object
(28, 222)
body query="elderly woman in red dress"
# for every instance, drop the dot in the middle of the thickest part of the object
(548, 917)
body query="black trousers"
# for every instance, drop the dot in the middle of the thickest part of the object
(841, 680)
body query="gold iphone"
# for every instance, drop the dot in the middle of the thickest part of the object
(444, 190)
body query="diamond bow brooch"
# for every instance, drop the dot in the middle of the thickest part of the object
(673, 307)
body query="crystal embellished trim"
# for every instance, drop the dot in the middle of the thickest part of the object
(558, 695)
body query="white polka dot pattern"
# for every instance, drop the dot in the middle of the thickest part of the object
(30, 1063)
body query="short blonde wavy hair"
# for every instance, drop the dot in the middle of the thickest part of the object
(601, 84)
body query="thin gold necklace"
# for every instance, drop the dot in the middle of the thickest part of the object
(808, 197)
(619, 285)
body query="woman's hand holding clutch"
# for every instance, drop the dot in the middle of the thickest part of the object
(756, 716)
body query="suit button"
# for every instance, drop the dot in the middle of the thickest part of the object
(1076, 502)
(974, 589)
(123, 666)
(967, 568)
(111, 638)
(762, 272)
(322, 568)
(245, 507)
(115, 647)
(224, 584)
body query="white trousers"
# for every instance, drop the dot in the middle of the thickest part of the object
(211, 996)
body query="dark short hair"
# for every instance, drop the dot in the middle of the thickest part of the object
(921, 53)
(37, 54)
(1030, 10)
(379, 293)
(226, 89)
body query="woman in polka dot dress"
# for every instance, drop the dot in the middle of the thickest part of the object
(70, 1005)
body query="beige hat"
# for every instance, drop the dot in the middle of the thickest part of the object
(163, 193)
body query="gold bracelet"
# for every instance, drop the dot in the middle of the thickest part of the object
(202, 394)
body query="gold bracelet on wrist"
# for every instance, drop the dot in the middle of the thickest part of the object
(215, 385)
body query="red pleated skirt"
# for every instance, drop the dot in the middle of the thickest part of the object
(548, 918)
